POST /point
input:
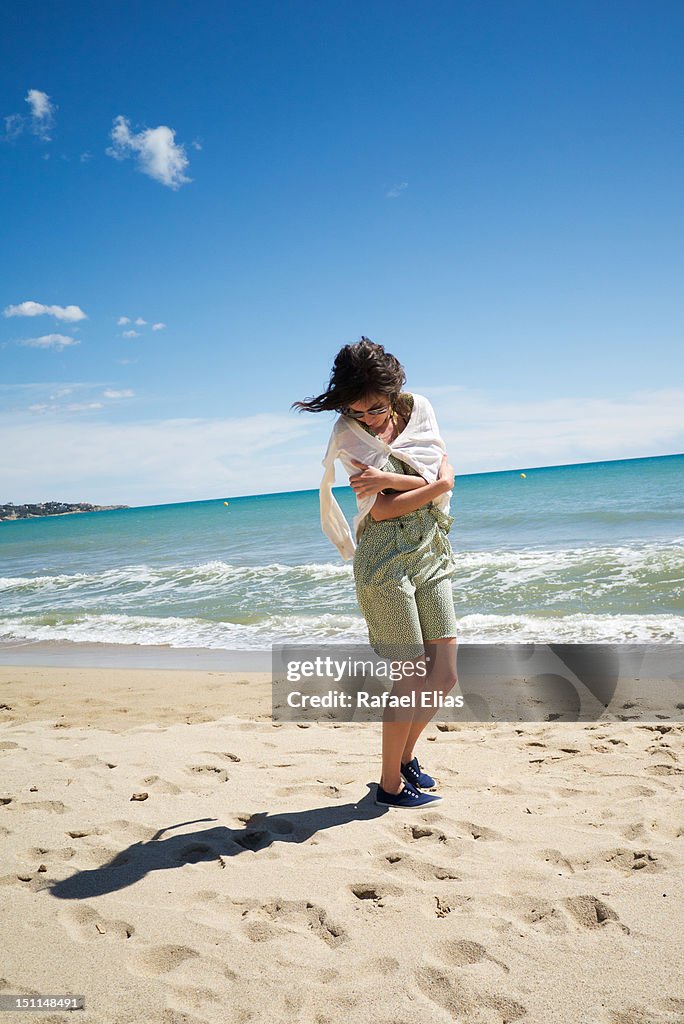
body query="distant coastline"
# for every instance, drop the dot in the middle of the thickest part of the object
(51, 508)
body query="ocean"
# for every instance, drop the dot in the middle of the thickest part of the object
(588, 553)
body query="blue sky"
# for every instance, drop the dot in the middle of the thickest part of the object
(491, 190)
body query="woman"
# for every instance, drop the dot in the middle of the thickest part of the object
(403, 560)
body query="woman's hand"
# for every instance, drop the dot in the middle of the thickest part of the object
(446, 472)
(368, 481)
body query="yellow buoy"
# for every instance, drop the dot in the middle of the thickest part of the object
(225, 502)
(524, 476)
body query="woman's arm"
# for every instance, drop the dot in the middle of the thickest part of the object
(369, 481)
(391, 506)
(404, 482)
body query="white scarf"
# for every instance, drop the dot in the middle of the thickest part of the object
(419, 446)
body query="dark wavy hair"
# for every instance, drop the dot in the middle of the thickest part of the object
(359, 370)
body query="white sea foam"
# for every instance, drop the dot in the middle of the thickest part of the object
(512, 568)
(192, 632)
(214, 572)
(620, 593)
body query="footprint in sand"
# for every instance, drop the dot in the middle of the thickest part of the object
(263, 921)
(53, 806)
(664, 748)
(194, 853)
(633, 791)
(277, 826)
(448, 901)
(101, 856)
(666, 1011)
(541, 914)
(160, 785)
(445, 991)
(461, 952)
(206, 896)
(634, 831)
(558, 918)
(374, 893)
(641, 860)
(261, 830)
(211, 771)
(384, 965)
(479, 831)
(27, 878)
(400, 863)
(88, 761)
(192, 996)
(162, 959)
(41, 854)
(85, 924)
(461, 999)
(313, 790)
(427, 835)
(591, 912)
(556, 859)
(129, 831)
(664, 769)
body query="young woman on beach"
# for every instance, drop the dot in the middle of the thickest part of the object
(402, 558)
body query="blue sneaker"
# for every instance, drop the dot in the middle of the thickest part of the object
(408, 797)
(413, 774)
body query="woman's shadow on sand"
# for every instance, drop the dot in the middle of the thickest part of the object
(258, 833)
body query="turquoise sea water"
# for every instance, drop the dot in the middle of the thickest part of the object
(583, 553)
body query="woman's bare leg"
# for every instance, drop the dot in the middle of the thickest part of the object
(442, 676)
(396, 726)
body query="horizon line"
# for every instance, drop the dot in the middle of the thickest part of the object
(341, 487)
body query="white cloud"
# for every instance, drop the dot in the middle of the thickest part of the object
(45, 386)
(484, 433)
(193, 458)
(396, 190)
(46, 407)
(70, 313)
(14, 126)
(140, 321)
(157, 154)
(56, 341)
(85, 157)
(40, 121)
(130, 334)
(125, 362)
(125, 393)
(39, 103)
(158, 327)
(42, 113)
(49, 397)
(167, 460)
(123, 320)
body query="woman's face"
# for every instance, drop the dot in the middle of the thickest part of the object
(373, 409)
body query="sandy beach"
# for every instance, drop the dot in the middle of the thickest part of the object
(257, 880)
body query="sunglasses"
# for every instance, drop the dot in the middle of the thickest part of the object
(356, 415)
